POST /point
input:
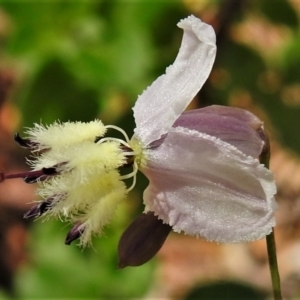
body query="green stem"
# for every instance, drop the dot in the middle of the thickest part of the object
(271, 246)
(270, 239)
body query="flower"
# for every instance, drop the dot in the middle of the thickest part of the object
(205, 178)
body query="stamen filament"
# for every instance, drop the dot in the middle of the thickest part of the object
(131, 174)
(24, 174)
(131, 153)
(127, 153)
(133, 184)
(31, 176)
(120, 130)
(113, 139)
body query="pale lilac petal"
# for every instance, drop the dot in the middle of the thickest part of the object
(206, 187)
(234, 112)
(162, 103)
(230, 124)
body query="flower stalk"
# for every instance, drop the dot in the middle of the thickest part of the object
(271, 247)
(270, 238)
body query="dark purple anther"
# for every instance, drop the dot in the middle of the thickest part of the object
(33, 179)
(50, 171)
(24, 143)
(41, 175)
(32, 176)
(28, 177)
(75, 233)
(39, 209)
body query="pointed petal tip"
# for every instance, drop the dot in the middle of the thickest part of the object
(122, 265)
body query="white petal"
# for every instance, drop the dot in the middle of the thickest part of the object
(206, 187)
(161, 104)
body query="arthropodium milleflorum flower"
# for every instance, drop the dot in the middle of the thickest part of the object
(205, 178)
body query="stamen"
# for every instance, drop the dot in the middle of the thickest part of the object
(43, 175)
(39, 209)
(24, 143)
(120, 130)
(31, 176)
(128, 152)
(124, 146)
(25, 175)
(50, 171)
(75, 233)
(133, 183)
(97, 139)
(35, 179)
(129, 162)
(113, 139)
(131, 175)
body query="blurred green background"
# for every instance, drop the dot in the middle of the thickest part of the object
(81, 60)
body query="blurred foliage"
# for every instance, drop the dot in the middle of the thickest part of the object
(78, 60)
(77, 54)
(58, 271)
